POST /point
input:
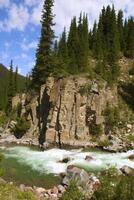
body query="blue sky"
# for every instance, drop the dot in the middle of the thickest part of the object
(20, 25)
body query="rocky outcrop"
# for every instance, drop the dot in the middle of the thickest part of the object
(70, 111)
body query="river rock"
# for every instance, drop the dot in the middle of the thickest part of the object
(89, 158)
(22, 187)
(54, 191)
(65, 160)
(127, 170)
(61, 189)
(53, 197)
(88, 183)
(80, 175)
(28, 188)
(40, 192)
(131, 157)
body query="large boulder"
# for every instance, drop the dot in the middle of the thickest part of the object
(131, 157)
(87, 182)
(127, 170)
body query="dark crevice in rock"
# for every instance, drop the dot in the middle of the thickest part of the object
(75, 103)
(58, 126)
(44, 108)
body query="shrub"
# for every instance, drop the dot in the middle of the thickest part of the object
(21, 127)
(72, 192)
(96, 129)
(84, 89)
(131, 71)
(3, 119)
(8, 191)
(114, 187)
(112, 116)
(104, 143)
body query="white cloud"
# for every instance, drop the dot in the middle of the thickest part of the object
(29, 12)
(18, 18)
(28, 45)
(4, 3)
(32, 2)
(66, 9)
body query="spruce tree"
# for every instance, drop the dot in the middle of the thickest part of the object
(94, 40)
(10, 90)
(43, 66)
(55, 47)
(113, 40)
(62, 48)
(73, 46)
(16, 80)
(84, 44)
(120, 29)
(130, 38)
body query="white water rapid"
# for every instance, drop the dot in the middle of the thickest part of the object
(49, 161)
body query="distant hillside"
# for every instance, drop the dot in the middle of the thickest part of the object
(4, 75)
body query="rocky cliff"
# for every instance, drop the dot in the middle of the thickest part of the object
(69, 110)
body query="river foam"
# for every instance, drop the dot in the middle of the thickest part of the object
(49, 161)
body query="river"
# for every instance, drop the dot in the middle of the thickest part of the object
(42, 168)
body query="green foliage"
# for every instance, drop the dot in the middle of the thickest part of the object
(96, 129)
(104, 143)
(2, 170)
(4, 82)
(128, 37)
(130, 138)
(44, 60)
(72, 192)
(131, 71)
(84, 89)
(108, 39)
(21, 127)
(126, 91)
(16, 80)
(112, 116)
(3, 119)
(72, 43)
(8, 191)
(114, 187)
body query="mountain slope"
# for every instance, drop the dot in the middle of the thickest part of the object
(4, 74)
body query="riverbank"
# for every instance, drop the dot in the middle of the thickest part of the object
(22, 161)
(113, 145)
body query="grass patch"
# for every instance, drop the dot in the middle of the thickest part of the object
(11, 192)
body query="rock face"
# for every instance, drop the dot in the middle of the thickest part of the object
(68, 109)
(127, 170)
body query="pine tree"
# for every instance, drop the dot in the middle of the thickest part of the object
(90, 39)
(120, 29)
(55, 48)
(84, 43)
(101, 43)
(16, 80)
(113, 40)
(94, 40)
(125, 36)
(130, 38)
(43, 66)
(62, 49)
(73, 47)
(10, 92)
